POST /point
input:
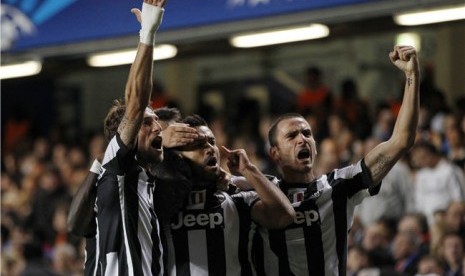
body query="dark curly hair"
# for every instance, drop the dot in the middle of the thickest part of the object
(168, 114)
(194, 121)
(113, 119)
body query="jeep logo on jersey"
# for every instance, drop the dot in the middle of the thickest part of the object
(198, 219)
(306, 218)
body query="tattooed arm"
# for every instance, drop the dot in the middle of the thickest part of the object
(139, 84)
(382, 158)
(138, 89)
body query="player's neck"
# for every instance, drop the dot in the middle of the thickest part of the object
(298, 177)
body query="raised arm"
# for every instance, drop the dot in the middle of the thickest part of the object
(383, 157)
(81, 216)
(273, 210)
(139, 84)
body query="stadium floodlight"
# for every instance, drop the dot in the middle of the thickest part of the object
(430, 16)
(114, 58)
(278, 36)
(19, 70)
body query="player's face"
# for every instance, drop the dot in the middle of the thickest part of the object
(149, 138)
(205, 155)
(295, 148)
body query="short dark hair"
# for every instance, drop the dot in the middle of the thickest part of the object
(113, 119)
(274, 127)
(168, 114)
(194, 121)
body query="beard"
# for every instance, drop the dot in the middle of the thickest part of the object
(149, 157)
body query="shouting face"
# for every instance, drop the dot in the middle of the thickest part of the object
(149, 138)
(294, 151)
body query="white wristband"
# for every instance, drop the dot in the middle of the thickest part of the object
(95, 168)
(151, 17)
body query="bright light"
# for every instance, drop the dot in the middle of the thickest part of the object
(162, 51)
(257, 39)
(18, 70)
(411, 39)
(431, 16)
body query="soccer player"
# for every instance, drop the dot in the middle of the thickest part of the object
(81, 217)
(316, 242)
(128, 231)
(210, 236)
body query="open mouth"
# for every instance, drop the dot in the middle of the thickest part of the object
(303, 154)
(156, 143)
(212, 161)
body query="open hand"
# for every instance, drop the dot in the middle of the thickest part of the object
(178, 135)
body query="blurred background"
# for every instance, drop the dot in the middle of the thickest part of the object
(239, 64)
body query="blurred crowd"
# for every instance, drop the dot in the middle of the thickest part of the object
(416, 225)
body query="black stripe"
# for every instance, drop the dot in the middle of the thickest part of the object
(132, 219)
(339, 197)
(89, 265)
(244, 231)
(313, 241)
(164, 242)
(109, 219)
(216, 251)
(156, 253)
(277, 241)
(181, 251)
(258, 257)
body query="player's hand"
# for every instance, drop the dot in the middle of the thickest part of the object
(150, 18)
(405, 58)
(137, 12)
(238, 160)
(178, 135)
(223, 180)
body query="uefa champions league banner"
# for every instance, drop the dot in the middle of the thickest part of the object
(28, 24)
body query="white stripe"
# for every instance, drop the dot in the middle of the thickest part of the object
(297, 254)
(328, 231)
(160, 247)
(112, 264)
(252, 231)
(97, 248)
(111, 151)
(123, 212)
(270, 260)
(349, 171)
(231, 236)
(144, 228)
(198, 256)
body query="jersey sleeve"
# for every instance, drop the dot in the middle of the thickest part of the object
(354, 179)
(117, 158)
(245, 199)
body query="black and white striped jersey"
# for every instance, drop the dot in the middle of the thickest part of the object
(89, 261)
(316, 242)
(128, 232)
(210, 236)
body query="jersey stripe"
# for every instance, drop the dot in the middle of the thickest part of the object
(122, 199)
(212, 238)
(128, 231)
(316, 242)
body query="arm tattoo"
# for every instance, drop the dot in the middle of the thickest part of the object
(409, 81)
(381, 166)
(128, 129)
